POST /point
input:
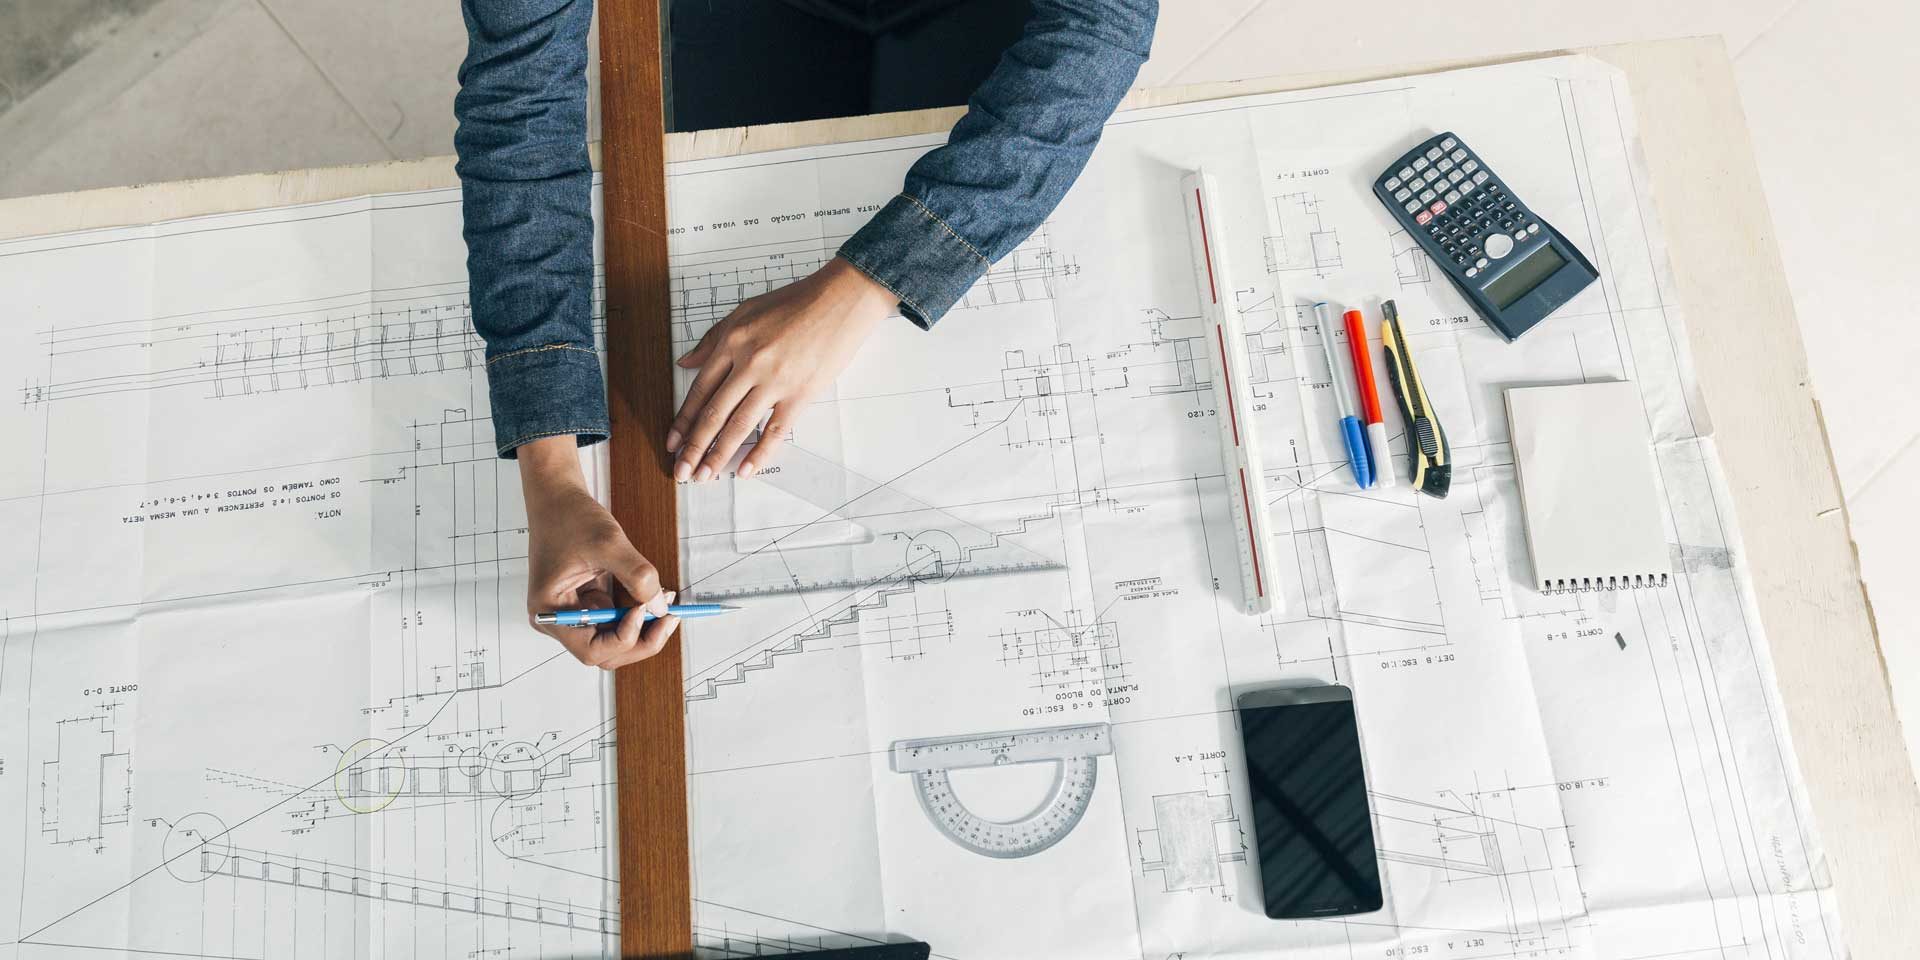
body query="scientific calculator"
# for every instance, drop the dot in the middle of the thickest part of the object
(1514, 267)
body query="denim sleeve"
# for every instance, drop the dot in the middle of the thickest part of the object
(1027, 134)
(527, 198)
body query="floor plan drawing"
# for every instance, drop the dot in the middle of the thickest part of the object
(267, 687)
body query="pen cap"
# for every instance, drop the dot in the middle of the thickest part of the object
(1357, 451)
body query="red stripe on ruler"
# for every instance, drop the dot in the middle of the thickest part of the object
(1206, 246)
(1253, 544)
(1226, 377)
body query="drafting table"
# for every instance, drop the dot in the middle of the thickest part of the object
(1748, 354)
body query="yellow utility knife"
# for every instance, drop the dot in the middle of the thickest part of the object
(1430, 462)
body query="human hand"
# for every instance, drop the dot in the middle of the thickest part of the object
(577, 553)
(773, 353)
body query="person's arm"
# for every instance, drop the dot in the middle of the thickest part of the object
(1028, 132)
(527, 199)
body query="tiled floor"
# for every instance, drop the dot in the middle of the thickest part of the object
(190, 88)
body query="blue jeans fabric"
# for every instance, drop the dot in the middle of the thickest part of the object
(1028, 132)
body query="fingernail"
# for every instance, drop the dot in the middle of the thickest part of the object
(673, 441)
(700, 475)
(658, 605)
(746, 468)
(682, 471)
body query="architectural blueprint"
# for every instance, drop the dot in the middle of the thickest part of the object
(266, 688)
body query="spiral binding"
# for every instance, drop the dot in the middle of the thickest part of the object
(1588, 584)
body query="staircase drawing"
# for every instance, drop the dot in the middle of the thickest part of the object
(735, 670)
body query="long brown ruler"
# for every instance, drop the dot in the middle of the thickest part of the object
(656, 898)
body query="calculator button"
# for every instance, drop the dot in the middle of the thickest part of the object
(1406, 173)
(1422, 217)
(1519, 235)
(1482, 262)
(1439, 207)
(1499, 245)
(1444, 165)
(1419, 163)
(1468, 187)
(1426, 196)
(1453, 196)
(1434, 153)
(1480, 177)
(1472, 272)
(1403, 195)
(1460, 258)
(1506, 224)
(1458, 155)
(1532, 228)
(1415, 207)
(1470, 166)
(1456, 177)
(1393, 183)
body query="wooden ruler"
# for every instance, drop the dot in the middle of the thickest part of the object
(656, 889)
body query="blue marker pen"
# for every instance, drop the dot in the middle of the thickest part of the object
(1350, 425)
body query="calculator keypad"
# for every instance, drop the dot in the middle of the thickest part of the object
(1467, 215)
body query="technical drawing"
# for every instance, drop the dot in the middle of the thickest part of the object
(1181, 363)
(1302, 241)
(88, 785)
(904, 539)
(1481, 851)
(1410, 263)
(1063, 652)
(1075, 752)
(350, 740)
(1193, 833)
(350, 881)
(331, 341)
(831, 621)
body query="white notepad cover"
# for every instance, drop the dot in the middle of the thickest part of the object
(1587, 487)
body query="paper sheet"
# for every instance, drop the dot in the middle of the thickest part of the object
(316, 727)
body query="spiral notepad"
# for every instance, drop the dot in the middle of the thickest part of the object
(1587, 487)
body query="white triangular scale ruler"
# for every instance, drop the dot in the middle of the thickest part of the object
(1232, 393)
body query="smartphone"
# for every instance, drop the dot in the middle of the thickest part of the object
(1310, 817)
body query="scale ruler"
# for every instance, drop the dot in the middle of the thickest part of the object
(1232, 394)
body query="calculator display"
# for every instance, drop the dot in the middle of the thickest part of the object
(1522, 277)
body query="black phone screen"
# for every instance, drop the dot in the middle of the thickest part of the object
(1310, 816)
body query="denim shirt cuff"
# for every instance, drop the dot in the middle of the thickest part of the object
(911, 251)
(547, 391)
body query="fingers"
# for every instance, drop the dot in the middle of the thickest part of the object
(771, 437)
(709, 380)
(647, 642)
(704, 349)
(642, 583)
(739, 427)
(706, 428)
